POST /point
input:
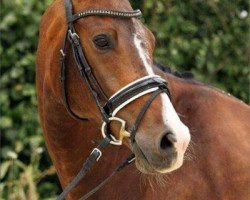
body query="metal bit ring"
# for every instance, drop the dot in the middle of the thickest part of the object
(122, 133)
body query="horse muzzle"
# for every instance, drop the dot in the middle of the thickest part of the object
(160, 155)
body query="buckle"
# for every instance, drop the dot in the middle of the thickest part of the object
(131, 160)
(73, 37)
(62, 53)
(122, 133)
(98, 151)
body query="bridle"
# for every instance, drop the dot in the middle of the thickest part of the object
(108, 107)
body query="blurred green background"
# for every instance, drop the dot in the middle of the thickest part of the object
(209, 38)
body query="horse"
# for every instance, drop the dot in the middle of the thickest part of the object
(119, 48)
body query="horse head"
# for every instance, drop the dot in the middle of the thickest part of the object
(119, 51)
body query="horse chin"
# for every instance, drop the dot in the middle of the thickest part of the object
(144, 166)
(178, 163)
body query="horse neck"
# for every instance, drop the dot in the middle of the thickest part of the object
(68, 141)
(188, 92)
(178, 87)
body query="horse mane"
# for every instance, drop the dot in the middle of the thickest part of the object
(187, 75)
(190, 78)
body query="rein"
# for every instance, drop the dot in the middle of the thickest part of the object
(108, 107)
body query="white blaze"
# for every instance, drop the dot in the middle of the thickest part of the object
(143, 55)
(170, 118)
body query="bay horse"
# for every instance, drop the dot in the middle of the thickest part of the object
(119, 50)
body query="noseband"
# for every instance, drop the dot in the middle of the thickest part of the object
(108, 107)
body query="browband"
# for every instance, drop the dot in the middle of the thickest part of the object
(106, 12)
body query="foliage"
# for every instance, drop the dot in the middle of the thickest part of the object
(23, 165)
(206, 37)
(209, 38)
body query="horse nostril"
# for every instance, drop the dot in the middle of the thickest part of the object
(167, 141)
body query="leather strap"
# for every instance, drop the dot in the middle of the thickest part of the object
(68, 10)
(142, 113)
(90, 161)
(64, 81)
(122, 166)
(85, 71)
(82, 65)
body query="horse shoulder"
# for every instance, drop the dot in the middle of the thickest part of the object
(220, 128)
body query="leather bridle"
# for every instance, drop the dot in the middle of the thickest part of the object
(108, 107)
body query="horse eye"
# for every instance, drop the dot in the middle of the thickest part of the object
(102, 42)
